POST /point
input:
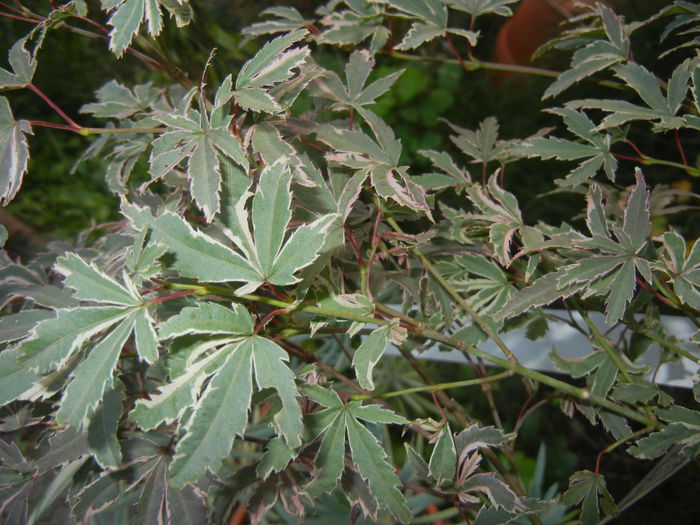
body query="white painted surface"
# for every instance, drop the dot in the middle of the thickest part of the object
(570, 343)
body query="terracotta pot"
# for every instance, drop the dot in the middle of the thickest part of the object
(534, 23)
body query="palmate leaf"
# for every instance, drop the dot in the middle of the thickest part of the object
(287, 19)
(684, 270)
(596, 55)
(590, 490)
(431, 22)
(222, 409)
(362, 20)
(269, 254)
(337, 422)
(379, 159)
(660, 109)
(354, 93)
(117, 101)
(609, 268)
(595, 150)
(14, 152)
(204, 141)
(273, 64)
(126, 17)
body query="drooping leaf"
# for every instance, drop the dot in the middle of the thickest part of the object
(220, 413)
(335, 422)
(443, 460)
(222, 410)
(368, 354)
(128, 15)
(371, 463)
(102, 430)
(14, 152)
(93, 376)
(590, 491)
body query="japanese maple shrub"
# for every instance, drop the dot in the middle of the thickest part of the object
(222, 349)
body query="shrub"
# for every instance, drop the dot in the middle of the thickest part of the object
(222, 348)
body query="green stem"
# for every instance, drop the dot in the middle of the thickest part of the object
(474, 64)
(436, 387)
(651, 161)
(102, 131)
(670, 346)
(602, 340)
(458, 298)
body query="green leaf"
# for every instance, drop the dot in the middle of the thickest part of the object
(102, 430)
(273, 63)
(288, 19)
(482, 7)
(54, 340)
(19, 325)
(220, 413)
(329, 460)
(257, 99)
(595, 56)
(589, 488)
(152, 506)
(498, 492)
(14, 152)
(684, 271)
(443, 460)
(117, 101)
(370, 459)
(272, 372)
(658, 108)
(196, 254)
(276, 457)
(127, 16)
(208, 318)
(476, 437)
(271, 213)
(23, 66)
(145, 336)
(368, 354)
(595, 152)
(92, 376)
(15, 378)
(175, 397)
(90, 284)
